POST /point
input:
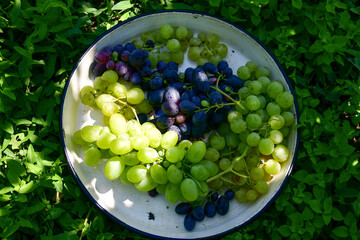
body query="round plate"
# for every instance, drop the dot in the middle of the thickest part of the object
(155, 217)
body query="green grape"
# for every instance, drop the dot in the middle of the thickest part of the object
(110, 76)
(203, 189)
(196, 152)
(224, 128)
(174, 174)
(159, 174)
(102, 99)
(189, 189)
(253, 139)
(114, 167)
(145, 36)
(117, 124)
(185, 144)
(175, 154)
(161, 188)
(238, 125)
(177, 57)
(240, 195)
(243, 93)
(169, 139)
(273, 108)
(256, 173)
(166, 31)
(92, 156)
(135, 95)
(158, 38)
(252, 102)
(146, 184)
(87, 98)
(189, 35)
(87, 89)
(285, 132)
(251, 195)
(104, 140)
(194, 41)
(224, 163)
(120, 146)
(154, 135)
(165, 56)
(215, 59)
(261, 187)
(289, 118)
(212, 39)
(274, 89)
(263, 114)
(184, 44)
(106, 120)
(281, 153)
(261, 71)
(147, 155)
(202, 36)
(110, 108)
(255, 87)
(272, 167)
(134, 128)
(243, 72)
(136, 173)
(232, 140)
(212, 154)
(172, 192)
(117, 90)
(239, 163)
(123, 176)
(138, 43)
(147, 125)
(154, 58)
(144, 107)
(253, 121)
(181, 32)
(130, 158)
(199, 172)
(211, 166)
(251, 66)
(91, 133)
(266, 146)
(99, 84)
(201, 61)
(173, 45)
(244, 110)
(140, 141)
(247, 84)
(206, 53)
(221, 50)
(276, 121)
(194, 53)
(276, 136)
(265, 81)
(233, 114)
(217, 141)
(77, 139)
(285, 99)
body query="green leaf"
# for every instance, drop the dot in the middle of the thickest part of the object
(297, 3)
(336, 214)
(122, 5)
(215, 3)
(7, 127)
(284, 230)
(23, 52)
(341, 231)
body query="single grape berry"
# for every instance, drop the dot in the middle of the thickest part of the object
(183, 208)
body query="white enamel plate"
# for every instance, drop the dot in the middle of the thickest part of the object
(155, 217)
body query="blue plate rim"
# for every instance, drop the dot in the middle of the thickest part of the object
(138, 230)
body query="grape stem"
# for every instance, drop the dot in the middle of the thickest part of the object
(230, 169)
(215, 106)
(226, 95)
(132, 109)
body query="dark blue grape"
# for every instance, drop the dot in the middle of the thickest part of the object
(185, 96)
(158, 113)
(198, 75)
(227, 72)
(202, 96)
(156, 83)
(125, 55)
(192, 92)
(196, 100)
(150, 43)
(170, 76)
(197, 131)
(170, 108)
(183, 208)
(172, 94)
(153, 193)
(148, 62)
(222, 65)
(119, 48)
(214, 197)
(189, 222)
(180, 118)
(235, 82)
(129, 47)
(135, 78)
(213, 80)
(145, 71)
(187, 107)
(185, 128)
(215, 98)
(210, 209)
(227, 89)
(137, 58)
(210, 68)
(222, 205)
(229, 194)
(172, 66)
(215, 120)
(164, 122)
(99, 69)
(199, 118)
(179, 86)
(203, 86)
(161, 66)
(156, 97)
(109, 50)
(110, 65)
(121, 68)
(102, 57)
(177, 130)
(188, 75)
(198, 213)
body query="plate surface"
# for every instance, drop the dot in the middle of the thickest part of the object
(123, 202)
